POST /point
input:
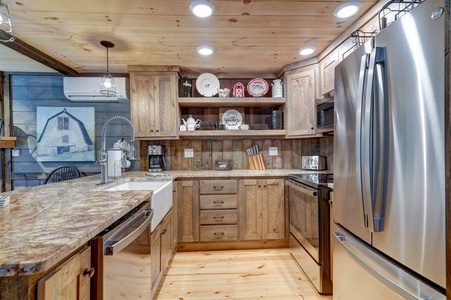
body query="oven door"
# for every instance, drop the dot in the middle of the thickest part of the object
(304, 208)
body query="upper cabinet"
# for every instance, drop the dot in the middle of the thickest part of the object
(327, 72)
(153, 104)
(300, 112)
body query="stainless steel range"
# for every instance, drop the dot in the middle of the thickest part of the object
(308, 203)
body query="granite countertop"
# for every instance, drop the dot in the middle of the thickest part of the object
(42, 225)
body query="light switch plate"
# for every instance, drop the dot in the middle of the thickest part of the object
(189, 153)
(273, 151)
(15, 153)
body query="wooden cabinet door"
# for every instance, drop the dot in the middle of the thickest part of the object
(153, 104)
(166, 241)
(273, 209)
(327, 72)
(68, 281)
(188, 211)
(262, 209)
(155, 256)
(250, 210)
(301, 110)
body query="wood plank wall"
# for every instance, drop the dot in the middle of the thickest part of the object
(29, 92)
(206, 152)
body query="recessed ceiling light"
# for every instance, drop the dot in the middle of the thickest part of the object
(202, 8)
(347, 9)
(205, 50)
(307, 50)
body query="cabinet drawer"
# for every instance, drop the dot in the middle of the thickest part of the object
(217, 201)
(218, 216)
(218, 233)
(218, 186)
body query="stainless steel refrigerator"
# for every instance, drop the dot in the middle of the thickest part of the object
(389, 162)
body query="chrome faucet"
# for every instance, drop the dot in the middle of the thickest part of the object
(103, 155)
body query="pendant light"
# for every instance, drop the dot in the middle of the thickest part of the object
(5, 24)
(107, 86)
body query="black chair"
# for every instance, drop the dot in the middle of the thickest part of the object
(63, 173)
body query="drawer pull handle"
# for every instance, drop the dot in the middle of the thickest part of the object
(164, 231)
(219, 233)
(88, 272)
(218, 202)
(218, 187)
(220, 217)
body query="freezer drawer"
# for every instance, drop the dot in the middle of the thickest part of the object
(362, 273)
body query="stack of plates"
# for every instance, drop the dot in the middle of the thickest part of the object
(4, 200)
(276, 119)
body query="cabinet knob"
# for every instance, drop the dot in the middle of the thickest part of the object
(164, 231)
(89, 272)
(157, 130)
(265, 186)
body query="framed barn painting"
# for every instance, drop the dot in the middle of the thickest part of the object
(65, 133)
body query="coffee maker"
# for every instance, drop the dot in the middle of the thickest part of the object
(156, 158)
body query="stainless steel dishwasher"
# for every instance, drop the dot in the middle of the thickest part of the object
(121, 257)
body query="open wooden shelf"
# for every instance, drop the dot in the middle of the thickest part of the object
(7, 142)
(230, 101)
(233, 133)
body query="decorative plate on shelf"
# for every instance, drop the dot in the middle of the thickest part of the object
(257, 87)
(232, 119)
(207, 84)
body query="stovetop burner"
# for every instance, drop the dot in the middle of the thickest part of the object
(313, 179)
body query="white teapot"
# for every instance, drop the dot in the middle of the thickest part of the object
(191, 124)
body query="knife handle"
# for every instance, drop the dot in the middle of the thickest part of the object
(250, 163)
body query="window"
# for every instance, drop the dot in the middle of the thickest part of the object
(63, 123)
(65, 139)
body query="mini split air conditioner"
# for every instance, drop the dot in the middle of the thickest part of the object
(87, 89)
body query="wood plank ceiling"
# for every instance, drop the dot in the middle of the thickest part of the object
(258, 36)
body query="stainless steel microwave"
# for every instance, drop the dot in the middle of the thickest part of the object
(325, 113)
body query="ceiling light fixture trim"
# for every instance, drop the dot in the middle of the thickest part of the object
(202, 8)
(5, 23)
(307, 50)
(347, 9)
(205, 50)
(107, 85)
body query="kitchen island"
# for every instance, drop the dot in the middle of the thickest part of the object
(44, 225)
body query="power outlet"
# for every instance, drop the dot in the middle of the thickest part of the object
(189, 153)
(273, 151)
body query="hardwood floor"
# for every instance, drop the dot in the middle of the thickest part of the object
(236, 274)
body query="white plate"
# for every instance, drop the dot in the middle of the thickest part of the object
(257, 87)
(232, 117)
(207, 84)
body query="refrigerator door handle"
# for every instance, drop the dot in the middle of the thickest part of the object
(380, 146)
(359, 119)
(367, 141)
(383, 270)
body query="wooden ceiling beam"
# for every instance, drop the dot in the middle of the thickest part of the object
(39, 56)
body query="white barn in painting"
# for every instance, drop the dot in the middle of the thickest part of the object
(64, 133)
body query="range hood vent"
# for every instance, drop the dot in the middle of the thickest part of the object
(87, 89)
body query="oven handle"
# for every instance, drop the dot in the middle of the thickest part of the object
(112, 246)
(302, 189)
